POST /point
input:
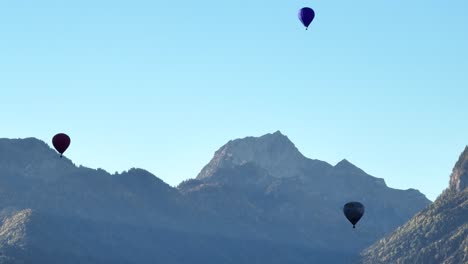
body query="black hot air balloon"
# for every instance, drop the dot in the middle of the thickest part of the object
(353, 211)
(61, 142)
(306, 16)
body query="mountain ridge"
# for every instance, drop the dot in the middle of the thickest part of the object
(243, 199)
(312, 180)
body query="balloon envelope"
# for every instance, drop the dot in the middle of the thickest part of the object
(353, 211)
(306, 16)
(61, 142)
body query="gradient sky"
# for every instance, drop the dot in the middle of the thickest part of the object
(163, 84)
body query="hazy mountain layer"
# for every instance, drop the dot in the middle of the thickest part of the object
(259, 200)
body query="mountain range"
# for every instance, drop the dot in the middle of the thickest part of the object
(259, 200)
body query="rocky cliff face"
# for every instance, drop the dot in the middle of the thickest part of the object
(459, 177)
(438, 234)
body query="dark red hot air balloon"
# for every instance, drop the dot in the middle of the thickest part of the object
(353, 211)
(61, 142)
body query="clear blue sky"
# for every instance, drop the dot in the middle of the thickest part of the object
(163, 84)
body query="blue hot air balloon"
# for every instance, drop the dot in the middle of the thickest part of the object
(306, 15)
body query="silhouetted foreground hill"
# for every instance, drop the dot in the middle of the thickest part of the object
(438, 234)
(258, 201)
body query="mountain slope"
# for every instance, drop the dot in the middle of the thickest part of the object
(254, 204)
(54, 212)
(250, 182)
(438, 234)
(29, 236)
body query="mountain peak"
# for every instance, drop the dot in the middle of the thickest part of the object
(25, 146)
(32, 158)
(348, 166)
(275, 136)
(277, 133)
(344, 163)
(459, 177)
(273, 152)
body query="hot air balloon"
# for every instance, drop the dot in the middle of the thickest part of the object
(61, 142)
(306, 16)
(353, 211)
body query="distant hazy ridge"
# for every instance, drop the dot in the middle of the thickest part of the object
(259, 200)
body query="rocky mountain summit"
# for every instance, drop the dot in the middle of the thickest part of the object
(273, 152)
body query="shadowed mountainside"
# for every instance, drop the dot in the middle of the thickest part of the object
(258, 200)
(252, 181)
(438, 234)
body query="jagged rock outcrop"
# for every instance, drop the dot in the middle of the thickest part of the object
(459, 177)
